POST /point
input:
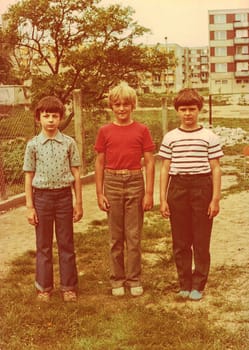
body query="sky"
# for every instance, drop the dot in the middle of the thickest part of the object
(183, 22)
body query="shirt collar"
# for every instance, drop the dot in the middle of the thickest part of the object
(43, 138)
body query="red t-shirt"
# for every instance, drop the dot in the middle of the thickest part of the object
(124, 146)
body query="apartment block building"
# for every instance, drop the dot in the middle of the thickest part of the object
(229, 51)
(188, 67)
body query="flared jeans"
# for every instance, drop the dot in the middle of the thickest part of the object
(125, 220)
(55, 210)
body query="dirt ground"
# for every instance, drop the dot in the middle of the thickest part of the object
(229, 248)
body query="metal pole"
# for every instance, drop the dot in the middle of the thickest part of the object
(165, 101)
(210, 110)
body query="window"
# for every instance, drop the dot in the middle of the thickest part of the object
(221, 82)
(241, 17)
(241, 33)
(219, 19)
(220, 51)
(220, 67)
(204, 60)
(220, 35)
(242, 67)
(242, 50)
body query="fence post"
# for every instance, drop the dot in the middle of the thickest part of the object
(164, 115)
(79, 127)
(3, 194)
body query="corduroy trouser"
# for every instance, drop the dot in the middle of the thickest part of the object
(54, 209)
(189, 197)
(125, 220)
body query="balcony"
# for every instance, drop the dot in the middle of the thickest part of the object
(242, 74)
(241, 57)
(240, 24)
(241, 40)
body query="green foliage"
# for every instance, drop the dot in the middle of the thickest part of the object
(78, 44)
(13, 152)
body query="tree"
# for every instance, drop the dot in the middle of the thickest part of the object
(7, 75)
(68, 44)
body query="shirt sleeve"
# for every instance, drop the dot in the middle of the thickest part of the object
(29, 157)
(100, 142)
(148, 145)
(165, 149)
(74, 155)
(214, 150)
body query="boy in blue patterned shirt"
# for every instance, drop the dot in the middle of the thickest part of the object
(52, 167)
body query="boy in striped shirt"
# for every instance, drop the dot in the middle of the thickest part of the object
(190, 186)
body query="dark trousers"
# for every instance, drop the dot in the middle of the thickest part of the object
(189, 197)
(54, 209)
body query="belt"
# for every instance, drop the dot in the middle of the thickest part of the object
(123, 171)
(52, 189)
(191, 176)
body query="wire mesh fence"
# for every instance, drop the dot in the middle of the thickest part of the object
(16, 127)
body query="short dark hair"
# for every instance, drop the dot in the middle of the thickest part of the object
(188, 97)
(51, 104)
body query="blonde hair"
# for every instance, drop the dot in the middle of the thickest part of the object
(125, 92)
(188, 97)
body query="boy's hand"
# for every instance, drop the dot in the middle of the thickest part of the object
(147, 202)
(32, 216)
(77, 212)
(213, 209)
(103, 202)
(164, 209)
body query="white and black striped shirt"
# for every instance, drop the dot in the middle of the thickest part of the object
(190, 151)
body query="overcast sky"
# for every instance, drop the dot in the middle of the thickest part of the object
(184, 22)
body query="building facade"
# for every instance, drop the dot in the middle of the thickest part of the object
(229, 51)
(188, 67)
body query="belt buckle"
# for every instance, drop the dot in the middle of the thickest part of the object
(123, 172)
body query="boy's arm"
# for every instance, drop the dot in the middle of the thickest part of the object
(164, 180)
(78, 209)
(149, 163)
(213, 209)
(31, 212)
(99, 179)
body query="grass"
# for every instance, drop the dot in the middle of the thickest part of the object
(100, 322)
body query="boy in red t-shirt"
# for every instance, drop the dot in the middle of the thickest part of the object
(120, 187)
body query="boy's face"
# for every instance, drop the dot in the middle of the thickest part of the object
(50, 122)
(122, 111)
(188, 116)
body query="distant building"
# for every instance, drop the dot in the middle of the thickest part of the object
(14, 95)
(188, 67)
(229, 51)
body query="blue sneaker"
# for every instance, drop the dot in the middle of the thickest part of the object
(195, 295)
(183, 294)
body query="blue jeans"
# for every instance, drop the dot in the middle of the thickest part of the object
(189, 197)
(125, 220)
(54, 208)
